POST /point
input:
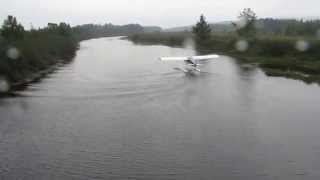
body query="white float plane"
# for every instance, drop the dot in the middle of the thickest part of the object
(192, 62)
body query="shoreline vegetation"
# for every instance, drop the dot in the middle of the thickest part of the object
(284, 48)
(274, 55)
(26, 56)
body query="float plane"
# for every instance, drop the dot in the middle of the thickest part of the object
(192, 61)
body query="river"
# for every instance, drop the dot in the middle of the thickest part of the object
(116, 112)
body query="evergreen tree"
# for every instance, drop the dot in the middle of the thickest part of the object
(246, 25)
(202, 30)
(11, 29)
(64, 29)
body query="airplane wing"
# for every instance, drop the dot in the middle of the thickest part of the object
(174, 58)
(206, 57)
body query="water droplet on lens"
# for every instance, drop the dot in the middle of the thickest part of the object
(241, 23)
(242, 45)
(13, 53)
(189, 44)
(302, 45)
(4, 85)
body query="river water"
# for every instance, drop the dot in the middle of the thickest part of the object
(116, 112)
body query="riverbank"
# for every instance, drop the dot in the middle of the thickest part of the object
(27, 59)
(32, 78)
(291, 57)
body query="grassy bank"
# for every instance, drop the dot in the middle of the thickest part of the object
(29, 56)
(293, 57)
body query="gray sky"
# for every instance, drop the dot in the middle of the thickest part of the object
(165, 13)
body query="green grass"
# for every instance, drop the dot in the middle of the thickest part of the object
(38, 51)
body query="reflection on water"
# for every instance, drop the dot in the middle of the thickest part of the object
(116, 112)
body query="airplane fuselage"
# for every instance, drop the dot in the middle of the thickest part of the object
(191, 62)
(191, 65)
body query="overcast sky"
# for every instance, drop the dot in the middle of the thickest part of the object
(164, 13)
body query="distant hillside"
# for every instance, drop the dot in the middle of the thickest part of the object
(295, 26)
(179, 29)
(152, 29)
(225, 26)
(88, 31)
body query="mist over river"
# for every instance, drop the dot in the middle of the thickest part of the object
(117, 112)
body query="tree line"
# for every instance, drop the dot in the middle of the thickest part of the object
(245, 27)
(88, 31)
(23, 53)
(249, 25)
(289, 27)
